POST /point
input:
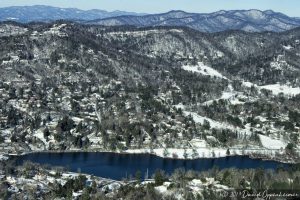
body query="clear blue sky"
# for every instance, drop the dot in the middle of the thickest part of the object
(289, 7)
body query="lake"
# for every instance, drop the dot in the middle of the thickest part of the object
(117, 166)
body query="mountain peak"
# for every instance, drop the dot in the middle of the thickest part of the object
(269, 12)
(177, 14)
(177, 11)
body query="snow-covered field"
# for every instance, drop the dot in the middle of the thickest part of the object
(201, 68)
(275, 88)
(285, 89)
(200, 119)
(213, 123)
(271, 143)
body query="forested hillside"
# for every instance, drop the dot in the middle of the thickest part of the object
(66, 86)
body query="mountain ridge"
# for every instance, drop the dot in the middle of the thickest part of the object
(45, 13)
(252, 20)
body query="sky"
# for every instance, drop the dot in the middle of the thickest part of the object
(289, 7)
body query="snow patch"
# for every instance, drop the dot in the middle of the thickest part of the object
(142, 33)
(198, 143)
(201, 68)
(285, 89)
(288, 47)
(163, 188)
(271, 143)
(248, 84)
(213, 124)
(275, 88)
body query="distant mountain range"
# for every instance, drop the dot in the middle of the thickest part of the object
(247, 20)
(49, 13)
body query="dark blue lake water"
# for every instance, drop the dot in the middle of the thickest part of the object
(118, 166)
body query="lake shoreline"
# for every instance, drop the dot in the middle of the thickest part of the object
(263, 157)
(123, 165)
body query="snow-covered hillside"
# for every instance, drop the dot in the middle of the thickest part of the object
(203, 69)
(278, 88)
(65, 86)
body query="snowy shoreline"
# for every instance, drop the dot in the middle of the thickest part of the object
(180, 154)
